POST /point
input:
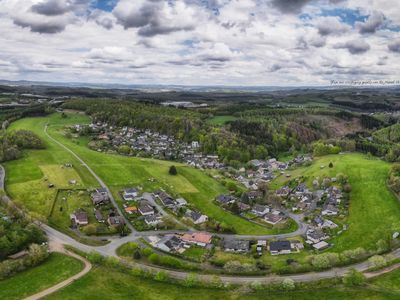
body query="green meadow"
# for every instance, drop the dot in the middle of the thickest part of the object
(118, 172)
(105, 283)
(56, 268)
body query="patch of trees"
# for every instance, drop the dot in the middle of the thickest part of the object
(370, 122)
(16, 113)
(36, 255)
(364, 105)
(12, 144)
(320, 149)
(182, 124)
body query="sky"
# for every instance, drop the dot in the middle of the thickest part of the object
(200, 42)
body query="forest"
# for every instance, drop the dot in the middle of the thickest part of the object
(13, 143)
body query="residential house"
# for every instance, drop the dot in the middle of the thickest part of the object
(237, 246)
(315, 236)
(170, 243)
(153, 220)
(225, 199)
(131, 210)
(198, 238)
(321, 245)
(330, 210)
(243, 206)
(273, 218)
(79, 217)
(145, 208)
(99, 216)
(130, 194)
(280, 247)
(115, 221)
(100, 198)
(260, 210)
(283, 192)
(253, 195)
(196, 217)
(181, 202)
(166, 199)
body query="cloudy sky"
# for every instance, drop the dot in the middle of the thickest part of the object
(200, 42)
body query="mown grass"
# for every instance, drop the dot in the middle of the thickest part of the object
(220, 120)
(56, 268)
(106, 283)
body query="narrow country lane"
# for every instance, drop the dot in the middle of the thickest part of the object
(55, 288)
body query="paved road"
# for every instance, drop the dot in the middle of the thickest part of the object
(2, 177)
(108, 250)
(102, 184)
(59, 286)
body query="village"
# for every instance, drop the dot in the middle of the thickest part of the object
(146, 143)
(313, 209)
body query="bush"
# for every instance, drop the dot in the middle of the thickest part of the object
(288, 284)
(173, 170)
(154, 258)
(95, 257)
(377, 261)
(191, 280)
(161, 276)
(353, 278)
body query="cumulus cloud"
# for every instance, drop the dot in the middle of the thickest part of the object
(155, 17)
(290, 6)
(52, 7)
(47, 17)
(355, 46)
(374, 21)
(331, 26)
(37, 25)
(395, 46)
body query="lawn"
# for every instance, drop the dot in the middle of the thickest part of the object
(105, 283)
(220, 120)
(55, 269)
(374, 210)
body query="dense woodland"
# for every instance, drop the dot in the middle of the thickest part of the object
(13, 143)
(256, 133)
(16, 231)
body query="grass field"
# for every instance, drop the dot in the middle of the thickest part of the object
(220, 120)
(374, 210)
(55, 269)
(117, 171)
(105, 283)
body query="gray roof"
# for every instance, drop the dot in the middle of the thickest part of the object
(279, 246)
(237, 245)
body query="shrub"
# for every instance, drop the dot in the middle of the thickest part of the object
(154, 258)
(161, 276)
(288, 284)
(353, 278)
(173, 170)
(95, 257)
(377, 261)
(191, 280)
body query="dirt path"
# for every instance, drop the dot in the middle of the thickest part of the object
(57, 247)
(382, 271)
